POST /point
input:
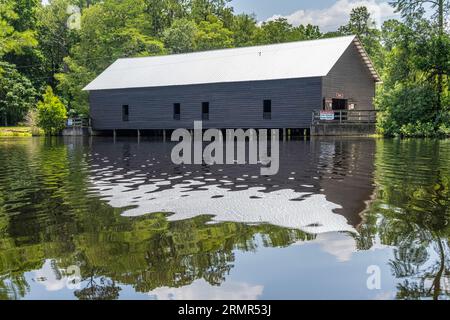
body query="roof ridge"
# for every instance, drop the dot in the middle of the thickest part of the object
(239, 48)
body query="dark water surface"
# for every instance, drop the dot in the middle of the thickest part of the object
(340, 215)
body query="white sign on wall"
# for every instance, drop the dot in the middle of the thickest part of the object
(327, 115)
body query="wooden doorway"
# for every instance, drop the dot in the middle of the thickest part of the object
(340, 104)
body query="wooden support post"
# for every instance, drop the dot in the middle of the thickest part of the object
(114, 135)
(138, 135)
(284, 134)
(164, 135)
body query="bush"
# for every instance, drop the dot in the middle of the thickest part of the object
(418, 129)
(31, 121)
(17, 95)
(407, 110)
(51, 113)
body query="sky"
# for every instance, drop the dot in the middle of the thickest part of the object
(327, 14)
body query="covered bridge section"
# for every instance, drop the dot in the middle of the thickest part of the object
(274, 86)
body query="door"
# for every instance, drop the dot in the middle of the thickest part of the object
(339, 104)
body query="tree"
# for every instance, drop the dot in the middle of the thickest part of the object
(180, 37)
(17, 95)
(52, 113)
(71, 83)
(109, 30)
(244, 29)
(133, 43)
(202, 9)
(24, 23)
(162, 14)
(55, 38)
(308, 32)
(362, 25)
(274, 31)
(407, 98)
(411, 100)
(409, 8)
(280, 30)
(27, 10)
(12, 40)
(212, 34)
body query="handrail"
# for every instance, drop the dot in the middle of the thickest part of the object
(78, 123)
(344, 116)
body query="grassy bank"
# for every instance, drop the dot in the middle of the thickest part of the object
(18, 132)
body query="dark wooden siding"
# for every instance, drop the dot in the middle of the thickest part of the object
(231, 105)
(351, 77)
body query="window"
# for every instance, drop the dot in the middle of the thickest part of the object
(176, 111)
(267, 110)
(125, 112)
(205, 111)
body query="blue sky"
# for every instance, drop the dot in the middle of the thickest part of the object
(266, 8)
(328, 14)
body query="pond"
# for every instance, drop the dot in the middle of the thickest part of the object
(345, 218)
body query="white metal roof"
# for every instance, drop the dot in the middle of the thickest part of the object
(314, 58)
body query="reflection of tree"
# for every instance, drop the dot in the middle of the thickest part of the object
(49, 213)
(98, 288)
(14, 287)
(412, 213)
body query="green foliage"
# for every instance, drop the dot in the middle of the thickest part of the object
(31, 121)
(362, 25)
(414, 98)
(275, 31)
(280, 30)
(201, 10)
(403, 105)
(244, 30)
(180, 37)
(412, 56)
(71, 83)
(12, 39)
(135, 44)
(55, 40)
(52, 113)
(212, 34)
(49, 51)
(411, 212)
(17, 95)
(163, 13)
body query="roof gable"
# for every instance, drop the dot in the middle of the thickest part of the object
(314, 58)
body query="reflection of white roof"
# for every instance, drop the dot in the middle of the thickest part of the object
(314, 58)
(313, 215)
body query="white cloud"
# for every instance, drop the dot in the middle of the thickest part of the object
(201, 290)
(340, 245)
(330, 19)
(48, 278)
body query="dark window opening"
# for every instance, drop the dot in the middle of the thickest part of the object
(267, 110)
(205, 111)
(339, 104)
(176, 111)
(125, 112)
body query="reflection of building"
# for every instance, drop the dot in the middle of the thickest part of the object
(348, 166)
(273, 86)
(322, 185)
